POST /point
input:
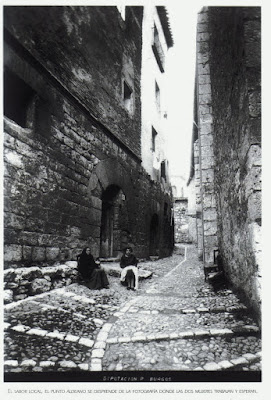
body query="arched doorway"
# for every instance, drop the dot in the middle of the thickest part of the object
(114, 221)
(154, 236)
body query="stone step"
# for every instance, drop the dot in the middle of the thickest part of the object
(198, 310)
(191, 334)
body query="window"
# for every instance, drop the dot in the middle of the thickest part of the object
(157, 50)
(157, 97)
(163, 170)
(127, 97)
(154, 134)
(24, 106)
(19, 99)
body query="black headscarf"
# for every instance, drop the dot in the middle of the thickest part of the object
(86, 264)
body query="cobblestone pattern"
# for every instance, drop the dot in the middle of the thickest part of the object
(57, 330)
(151, 329)
(184, 354)
(183, 326)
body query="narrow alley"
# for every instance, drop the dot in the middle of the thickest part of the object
(174, 323)
(123, 131)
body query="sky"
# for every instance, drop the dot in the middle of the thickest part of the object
(180, 94)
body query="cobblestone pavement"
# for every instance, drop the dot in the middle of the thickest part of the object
(174, 322)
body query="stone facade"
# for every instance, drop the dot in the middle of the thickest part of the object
(191, 212)
(181, 220)
(179, 185)
(228, 82)
(73, 173)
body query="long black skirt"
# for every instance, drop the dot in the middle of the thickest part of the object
(98, 280)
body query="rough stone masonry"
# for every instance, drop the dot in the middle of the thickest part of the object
(228, 82)
(70, 142)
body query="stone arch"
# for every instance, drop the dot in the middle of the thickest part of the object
(110, 189)
(110, 172)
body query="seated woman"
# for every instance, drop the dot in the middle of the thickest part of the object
(129, 273)
(93, 276)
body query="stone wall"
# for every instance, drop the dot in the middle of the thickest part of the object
(79, 140)
(20, 283)
(90, 51)
(198, 210)
(235, 48)
(191, 212)
(207, 198)
(229, 144)
(181, 221)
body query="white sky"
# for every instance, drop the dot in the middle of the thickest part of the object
(180, 71)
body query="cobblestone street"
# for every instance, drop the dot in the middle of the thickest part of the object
(174, 322)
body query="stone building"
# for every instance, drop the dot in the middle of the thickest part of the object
(180, 209)
(179, 187)
(156, 40)
(74, 174)
(181, 220)
(226, 160)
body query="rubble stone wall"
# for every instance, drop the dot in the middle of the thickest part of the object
(53, 195)
(197, 182)
(90, 51)
(57, 169)
(181, 221)
(191, 212)
(19, 283)
(206, 190)
(235, 73)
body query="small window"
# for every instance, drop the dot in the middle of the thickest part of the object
(127, 97)
(154, 135)
(163, 170)
(18, 100)
(157, 97)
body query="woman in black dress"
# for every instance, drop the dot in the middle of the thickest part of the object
(94, 277)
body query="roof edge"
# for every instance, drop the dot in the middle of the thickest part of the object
(163, 15)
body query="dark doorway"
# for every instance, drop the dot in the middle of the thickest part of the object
(114, 222)
(154, 236)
